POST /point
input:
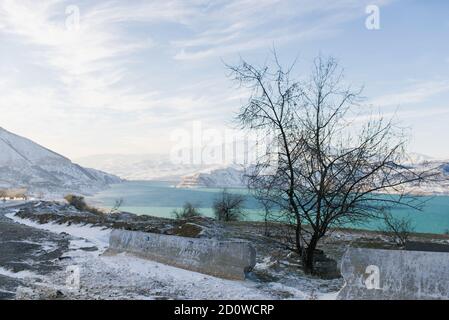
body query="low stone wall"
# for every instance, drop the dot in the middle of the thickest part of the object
(372, 274)
(226, 259)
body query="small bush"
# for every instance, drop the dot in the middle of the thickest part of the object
(188, 211)
(79, 203)
(228, 207)
(76, 201)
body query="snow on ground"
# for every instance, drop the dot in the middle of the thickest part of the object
(96, 236)
(124, 276)
(24, 274)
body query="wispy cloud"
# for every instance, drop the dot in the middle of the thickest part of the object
(413, 94)
(88, 61)
(244, 25)
(138, 65)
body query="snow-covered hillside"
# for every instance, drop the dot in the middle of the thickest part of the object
(414, 158)
(224, 177)
(234, 176)
(436, 184)
(25, 164)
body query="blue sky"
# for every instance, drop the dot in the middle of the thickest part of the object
(130, 73)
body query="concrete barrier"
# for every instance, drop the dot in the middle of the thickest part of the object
(372, 274)
(226, 259)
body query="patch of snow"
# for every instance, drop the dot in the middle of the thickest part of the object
(95, 235)
(182, 283)
(265, 264)
(20, 274)
(328, 296)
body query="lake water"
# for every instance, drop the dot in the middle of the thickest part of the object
(160, 198)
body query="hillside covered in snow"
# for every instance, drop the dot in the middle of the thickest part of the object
(232, 176)
(26, 164)
(438, 181)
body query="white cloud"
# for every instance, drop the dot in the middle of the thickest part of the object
(416, 93)
(236, 26)
(83, 85)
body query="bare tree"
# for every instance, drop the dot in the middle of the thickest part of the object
(228, 206)
(117, 204)
(397, 228)
(267, 213)
(271, 108)
(329, 170)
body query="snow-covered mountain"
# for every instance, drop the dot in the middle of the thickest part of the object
(437, 183)
(232, 176)
(25, 164)
(414, 158)
(160, 167)
(143, 166)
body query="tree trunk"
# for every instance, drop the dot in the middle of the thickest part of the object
(266, 234)
(308, 256)
(298, 237)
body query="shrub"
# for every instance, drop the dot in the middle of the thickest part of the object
(79, 203)
(228, 206)
(76, 201)
(188, 211)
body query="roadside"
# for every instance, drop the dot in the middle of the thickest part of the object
(79, 239)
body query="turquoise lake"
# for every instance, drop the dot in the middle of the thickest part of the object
(159, 198)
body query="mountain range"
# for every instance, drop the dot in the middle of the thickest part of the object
(144, 166)
(160, 167)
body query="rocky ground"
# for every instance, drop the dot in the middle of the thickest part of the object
(26, 253)
(40, 239)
